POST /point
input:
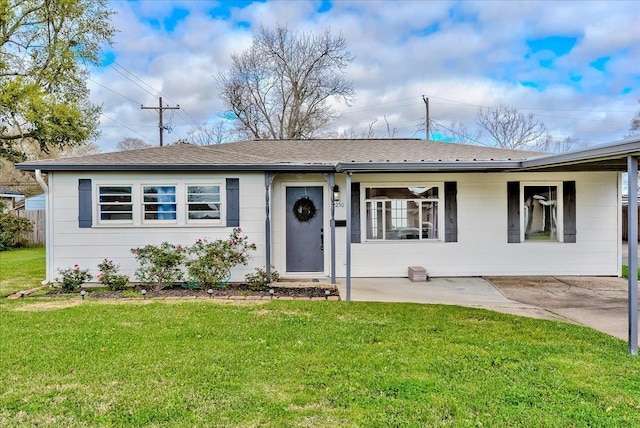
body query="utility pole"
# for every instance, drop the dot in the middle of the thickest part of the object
(160, 108)
(427, 120)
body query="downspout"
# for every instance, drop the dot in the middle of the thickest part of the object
(268, 180)
(632, 239)
(47, 226)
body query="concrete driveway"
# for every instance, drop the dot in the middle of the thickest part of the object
(596, 302)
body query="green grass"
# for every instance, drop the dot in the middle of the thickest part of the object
(70, 363)
(625, 272)
(21, 269)
(73, 363)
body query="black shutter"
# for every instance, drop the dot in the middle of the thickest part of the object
(450, 211)
(513, 211)
(569, 211)
(233, 202)
(355, 213)
(84, 203)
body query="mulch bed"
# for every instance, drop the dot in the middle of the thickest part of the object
(233, 289)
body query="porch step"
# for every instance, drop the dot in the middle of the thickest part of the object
(418, 274)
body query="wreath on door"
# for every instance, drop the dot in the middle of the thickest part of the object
(304, 209)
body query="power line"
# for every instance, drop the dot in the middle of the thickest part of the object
(125, 126)
(115, 92)
(160, 109)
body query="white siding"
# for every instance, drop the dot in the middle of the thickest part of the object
(89, 246)
(482, 247)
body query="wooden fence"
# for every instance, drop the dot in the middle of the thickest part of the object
(625, 221)
(37, 236)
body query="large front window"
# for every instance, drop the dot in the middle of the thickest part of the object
(395, 213)
(540, 213)
(159, 202)
(114, 203)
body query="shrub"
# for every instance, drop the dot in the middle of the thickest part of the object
(12, 229)
(72, 278)
(159, 265)
(109, 276)
(260, 279)
(211, 261)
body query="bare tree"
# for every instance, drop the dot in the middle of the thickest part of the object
(281, 86)
(511, 129)
(560, 145)
(218, 133)
(457, 132)
(635, 124)
(131, 143)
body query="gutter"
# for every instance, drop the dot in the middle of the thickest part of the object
(429, 166)
(47, 226)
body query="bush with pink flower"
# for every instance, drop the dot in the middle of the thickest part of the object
(209, 262)
(110, 277)
(160, 265)
(72, 278)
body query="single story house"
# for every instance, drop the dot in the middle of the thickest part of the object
(345, 208)
(9, 198)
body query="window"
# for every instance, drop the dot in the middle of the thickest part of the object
(397, 213)
(114, 203)
(540, 211)
(203, 202)
(159, 202)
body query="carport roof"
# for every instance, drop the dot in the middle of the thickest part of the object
(341, 155)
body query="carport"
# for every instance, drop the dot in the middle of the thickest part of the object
(620, 156)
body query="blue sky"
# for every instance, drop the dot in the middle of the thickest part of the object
(575, 64)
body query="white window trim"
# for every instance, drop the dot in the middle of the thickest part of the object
(559, 211)
(142, 204)
(137, 201)
(223, 204)
(386, 185)
(98, 205)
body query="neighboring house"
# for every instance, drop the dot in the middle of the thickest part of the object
(35, 203)
(457, 210)
(10, 197)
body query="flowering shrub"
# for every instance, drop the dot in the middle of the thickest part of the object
(210, 261)
(260, 279)
(159, 265)
(109, 276)
(72, 278)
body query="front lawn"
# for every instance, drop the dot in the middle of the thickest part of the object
(21, 269)
(68, 362)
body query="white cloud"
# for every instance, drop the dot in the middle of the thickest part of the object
(460, 54)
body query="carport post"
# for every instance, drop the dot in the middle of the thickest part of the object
(348, 204)
(632, 237)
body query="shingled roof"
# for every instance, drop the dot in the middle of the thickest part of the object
(287, 155)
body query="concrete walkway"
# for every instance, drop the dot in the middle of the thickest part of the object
(599, 303)
(471, 292)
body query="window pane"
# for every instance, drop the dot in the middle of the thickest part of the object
(427, 192)
(204, 202)
(374, 220)
(116, 216)
(540, 213)
(429, 220)
(204, 211)
(159, 202)
(114, 203)
(115, 190)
